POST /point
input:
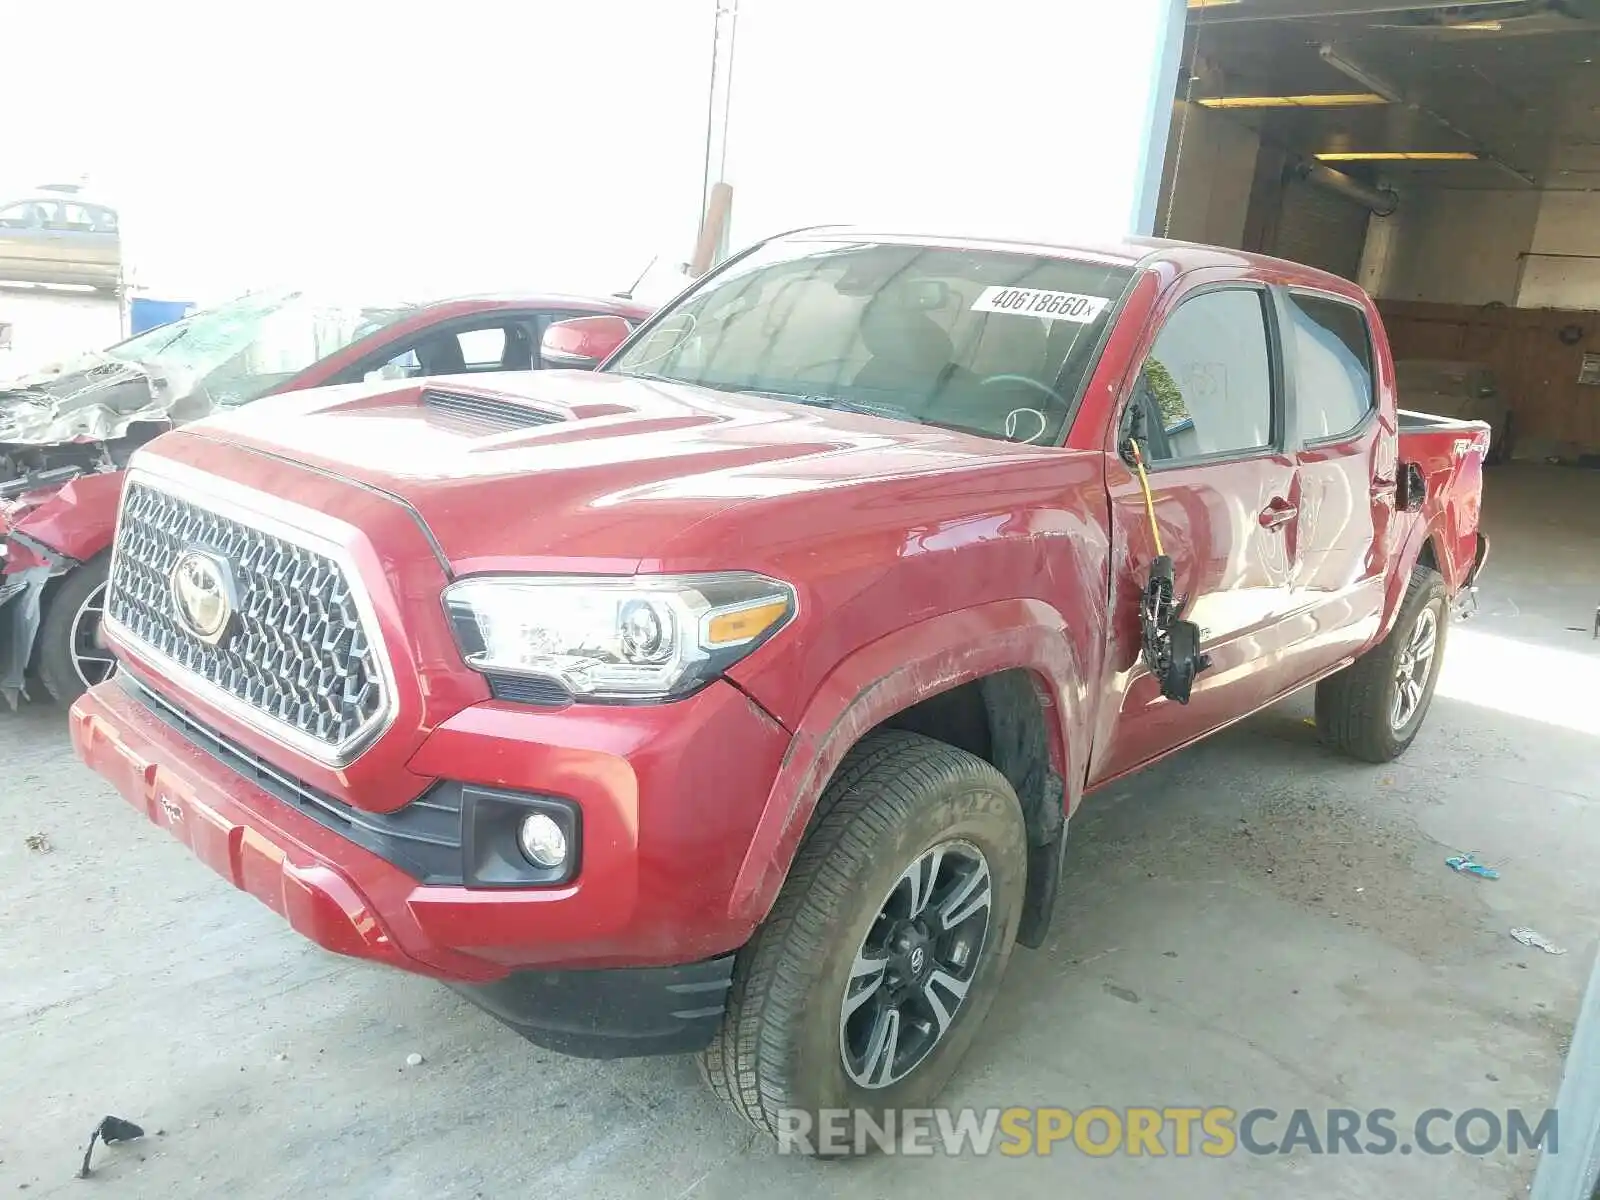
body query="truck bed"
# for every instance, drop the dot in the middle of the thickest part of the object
(1450, 452)
(1411, 422)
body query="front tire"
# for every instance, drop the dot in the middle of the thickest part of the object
(886, 946)
(1374, 708)
(68, 657)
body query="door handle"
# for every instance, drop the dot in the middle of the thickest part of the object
(1278, 513)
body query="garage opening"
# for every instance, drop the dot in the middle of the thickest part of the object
(1444, 156)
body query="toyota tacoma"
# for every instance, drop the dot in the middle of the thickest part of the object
(735, 698)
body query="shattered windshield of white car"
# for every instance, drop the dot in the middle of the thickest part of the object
(217, 358)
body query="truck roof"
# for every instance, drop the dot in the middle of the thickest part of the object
(1127, 251)
(447, 306)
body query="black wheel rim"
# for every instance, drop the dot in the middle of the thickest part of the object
(909, 981)
(91, 661)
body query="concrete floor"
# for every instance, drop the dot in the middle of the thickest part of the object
(1255, 923)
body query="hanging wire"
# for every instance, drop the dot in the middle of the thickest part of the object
(1183, 123)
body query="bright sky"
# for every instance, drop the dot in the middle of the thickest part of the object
(466, 144)
(1025, 118)
(442, 146)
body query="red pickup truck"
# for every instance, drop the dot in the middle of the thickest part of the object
(735, 698)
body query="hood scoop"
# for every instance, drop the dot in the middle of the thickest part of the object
(470, 412)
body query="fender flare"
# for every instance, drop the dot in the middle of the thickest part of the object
(886, 677)
(1418, 536)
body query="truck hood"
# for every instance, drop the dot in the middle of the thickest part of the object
(559, 470)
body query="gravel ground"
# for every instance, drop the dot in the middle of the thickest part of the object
(1253, 923)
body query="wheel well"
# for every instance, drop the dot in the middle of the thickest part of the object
(1003, 720)
(1000, 719)
(1429, 556)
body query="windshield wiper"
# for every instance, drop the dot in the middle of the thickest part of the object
(809, 399)
(836, 403)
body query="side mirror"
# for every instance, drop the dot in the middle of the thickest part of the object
(582, 343)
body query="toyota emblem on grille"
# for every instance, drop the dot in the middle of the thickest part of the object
(203, 595)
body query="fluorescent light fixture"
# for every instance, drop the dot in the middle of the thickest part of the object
(1328, 100)
(1210, 3)
(1481, 26)
(1360, 74)
(1399, 156)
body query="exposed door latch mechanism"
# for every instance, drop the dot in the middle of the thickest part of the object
(1171, 645)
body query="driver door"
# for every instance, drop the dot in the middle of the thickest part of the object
(1225, 494)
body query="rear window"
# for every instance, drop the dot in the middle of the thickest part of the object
(1333, 366)
(991, 342)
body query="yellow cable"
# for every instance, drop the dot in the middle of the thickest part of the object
(1149, 503)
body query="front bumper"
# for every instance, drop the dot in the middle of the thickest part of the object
(631, 957)
(618, 1013)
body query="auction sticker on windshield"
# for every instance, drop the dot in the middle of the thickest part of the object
(1036, 302)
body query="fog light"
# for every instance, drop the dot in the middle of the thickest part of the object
(542, 841)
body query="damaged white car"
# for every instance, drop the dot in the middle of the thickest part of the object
(67, 434)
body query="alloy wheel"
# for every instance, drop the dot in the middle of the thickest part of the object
(914, 967)
(1414, 668)
(91, 661)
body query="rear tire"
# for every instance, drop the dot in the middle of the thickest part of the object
(808, 1027)
(1373, 709)
(70, 622)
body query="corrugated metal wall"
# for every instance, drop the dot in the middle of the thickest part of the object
(1321, 229)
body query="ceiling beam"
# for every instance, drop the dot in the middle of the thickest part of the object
(1291, 10)
(1341, 61)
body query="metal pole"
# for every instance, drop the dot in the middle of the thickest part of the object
(718, 105)
(1572, 1172)
(711, 105)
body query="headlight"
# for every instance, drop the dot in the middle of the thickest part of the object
(646, 638)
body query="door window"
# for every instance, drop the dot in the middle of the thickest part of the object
(1206, 388)
(504, 345)
(483, 349)
(1332, 366)
(24, 215)
(74, 218)
(405, 365)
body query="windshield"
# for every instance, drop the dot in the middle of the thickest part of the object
(238, 351)
(992, 342)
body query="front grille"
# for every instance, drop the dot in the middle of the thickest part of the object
(295, 651)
